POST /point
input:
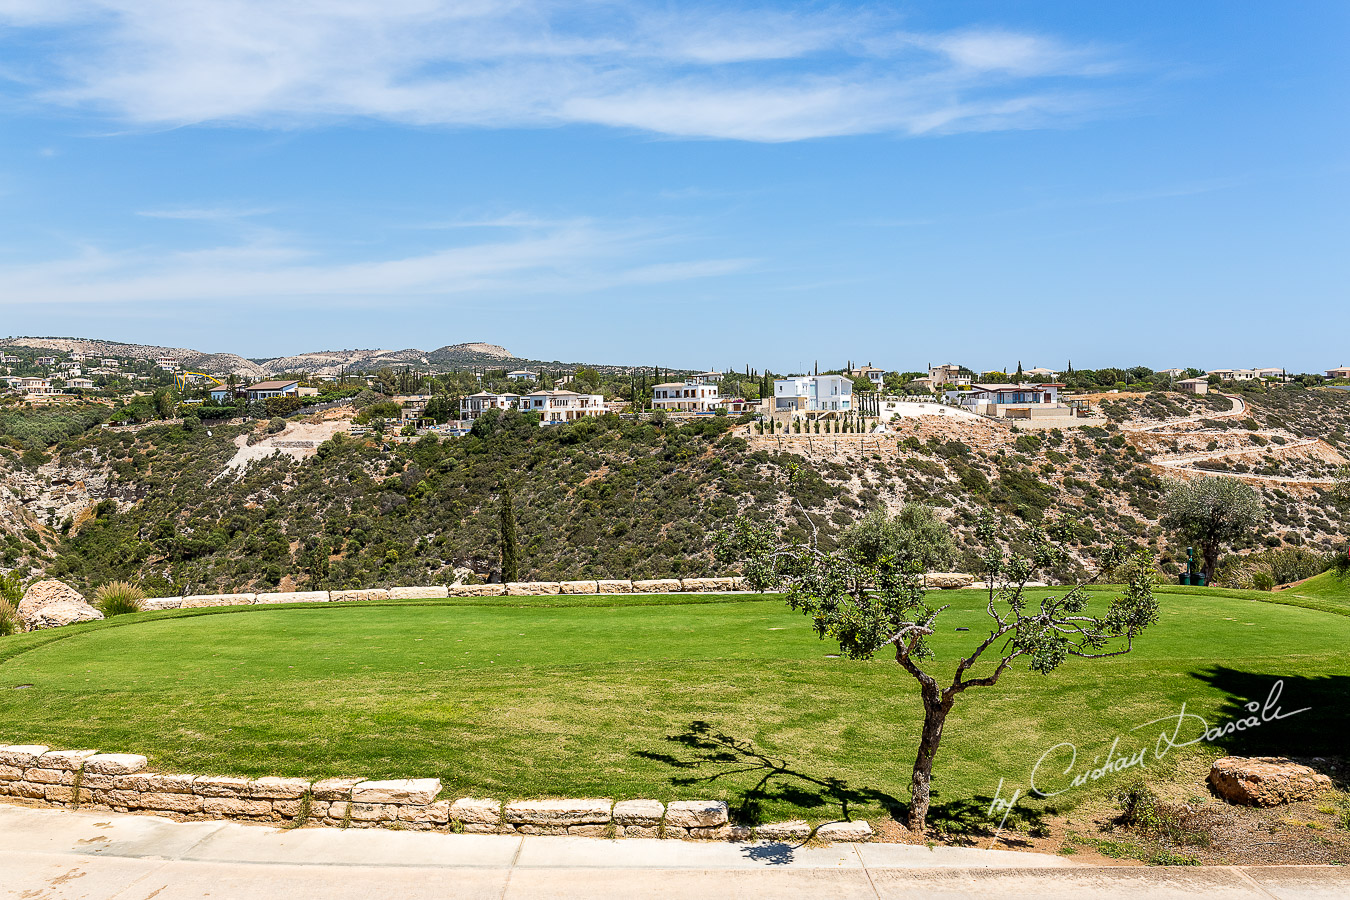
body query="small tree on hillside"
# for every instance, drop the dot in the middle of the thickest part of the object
(1211, 511)
(510, 546)
(871, 606)
(913, 535)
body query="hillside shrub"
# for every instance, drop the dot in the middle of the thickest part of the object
(282, 406)
(116, 598)
(37, 428)
(9, 618)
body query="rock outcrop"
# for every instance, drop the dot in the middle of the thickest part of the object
(1265, 780)
(948, 580)
(63, 612)
(50, 604)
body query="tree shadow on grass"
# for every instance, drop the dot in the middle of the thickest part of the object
(705, 755)
(1303, 717)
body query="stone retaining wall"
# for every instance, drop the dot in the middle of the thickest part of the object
(440, 591)
(118, 782)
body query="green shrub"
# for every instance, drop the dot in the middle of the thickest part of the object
(9, 618)
(115, 598)
(276, 424)
(11, 588)
(282, 406)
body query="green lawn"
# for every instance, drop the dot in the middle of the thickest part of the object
(519, 697)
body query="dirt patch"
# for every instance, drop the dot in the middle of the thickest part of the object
(298, 440)
(1197, 828)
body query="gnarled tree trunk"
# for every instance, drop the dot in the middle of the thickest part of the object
(935, 709)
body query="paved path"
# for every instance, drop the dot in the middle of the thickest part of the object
(57, 854)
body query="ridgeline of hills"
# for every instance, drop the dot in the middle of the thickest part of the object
(322, 362)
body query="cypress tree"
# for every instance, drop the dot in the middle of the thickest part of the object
(510, 547)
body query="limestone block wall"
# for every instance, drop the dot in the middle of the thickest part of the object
(119, 782)
(513, 589)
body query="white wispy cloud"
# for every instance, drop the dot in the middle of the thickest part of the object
(560, 259)
(770, 74)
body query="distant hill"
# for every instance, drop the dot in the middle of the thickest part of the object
(319, 362)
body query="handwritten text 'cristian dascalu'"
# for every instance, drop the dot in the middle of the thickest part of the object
(1184, 729)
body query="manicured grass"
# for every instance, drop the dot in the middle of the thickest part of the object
(1327, 588)
(519, 697)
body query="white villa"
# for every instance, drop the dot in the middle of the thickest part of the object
(79, 384)
(705, 378)
(870, 372)
(264, 389)
(46, 360)
(474, 405)
(1246, 374)
(1013, 401)
(523, 375)
(1341, 372)
(33, 387)
(813, 393)
(685, 396)
(553, 406)
(562, 406)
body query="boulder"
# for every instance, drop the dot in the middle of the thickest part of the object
(331, 789)
(294, 597)
(844, 831)
(476, 811)
(114, 764)
(657, 586)
(579, 587)
(948, 580)
(780, 831)
(437, 813)
(160, 603)
(1265, 780)
(63, 612)
(419, 791)
(701, 584)
(271, 787)
(156, 783)
(696, 813)
(435, 592)
(639, 812)
(559, 812)
(532, 588)
(201, 601)
(220, 786)
(44, 594)
(461, 575)
(477, 590)
(64, 760)
(20, 755)
(358, 596)
(234, 806)
(613, 586)
(177, 803)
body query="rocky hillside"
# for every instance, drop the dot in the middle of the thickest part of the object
(615, 498)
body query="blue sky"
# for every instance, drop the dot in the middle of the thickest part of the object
(691, 185)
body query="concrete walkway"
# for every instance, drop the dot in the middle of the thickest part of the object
(56, 854)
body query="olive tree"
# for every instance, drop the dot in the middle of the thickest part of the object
(915, 534)
(881, 606)
(1211, 511)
